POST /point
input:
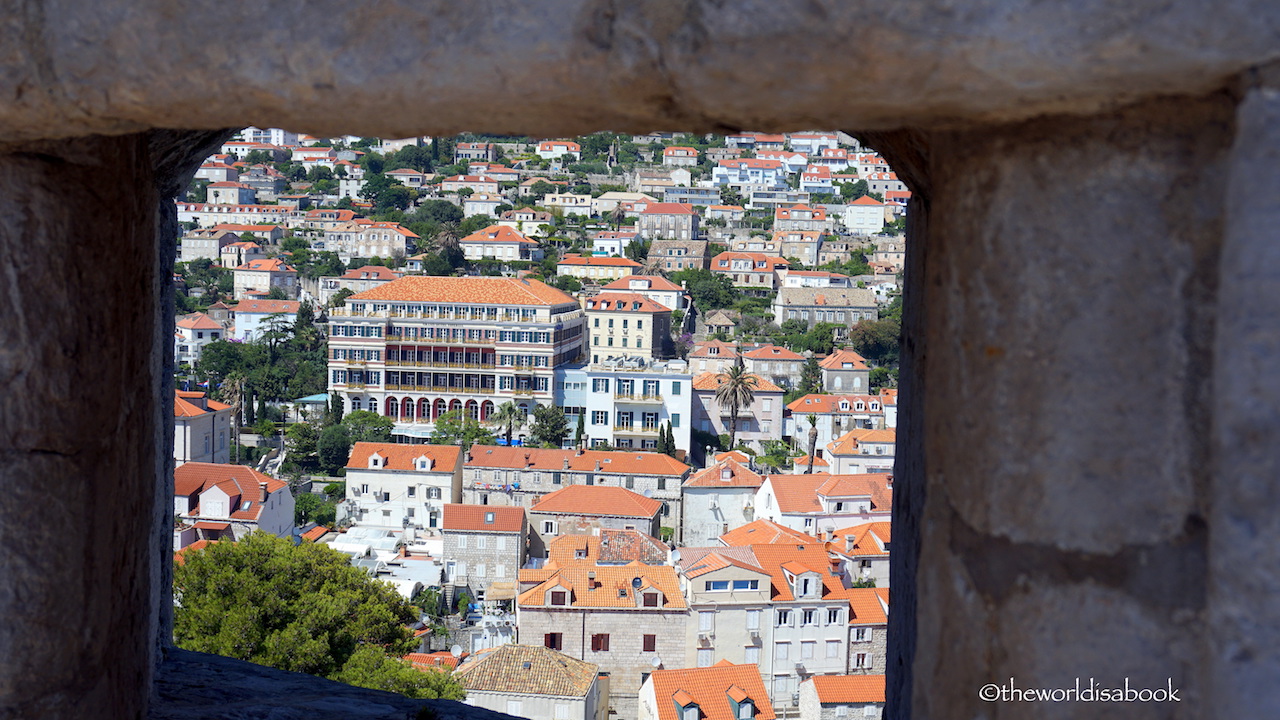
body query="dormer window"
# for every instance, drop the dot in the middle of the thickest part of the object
(844, 405)
(652, 599)
(858, 406)
(488, 518)
(875, 406)
(375, 461)
(559, 597)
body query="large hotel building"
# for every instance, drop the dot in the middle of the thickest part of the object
(421, 346)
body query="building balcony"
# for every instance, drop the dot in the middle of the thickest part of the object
(633, 398)
(636, 429)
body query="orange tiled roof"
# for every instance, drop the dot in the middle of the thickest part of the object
(849, 688)
(867, 200)
(527, 670)
(656, 282)
(758, 532)
(862, 538)
(773, 352)
(821, 403)
(496, 234)
(266, 265)
(715, 476)
(625, 302)
(403, 456)
(315, 533)
(803, 462)
(723, 350)
(734, 455)
(606, 590)
(847, 444)
(779, 558)
(198, 321)
(597, 500)
(371, 272)
(711, 381)
(266, 306)
(839, 358)
(610, 546)
(434, 661)
(867, 606)
(710, 688)
(184, 408)
(575, 260)
(800, 493)
(479, 290)
(619, 462)
(667, 209)
(482, 518)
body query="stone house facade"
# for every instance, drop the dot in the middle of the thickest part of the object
(484, 547)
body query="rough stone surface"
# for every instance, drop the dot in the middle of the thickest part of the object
(197, 686)
(395, 69)
(1245, 556)
(78, 428)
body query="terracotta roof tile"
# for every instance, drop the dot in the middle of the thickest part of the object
(404, 456)
(483, 518)
(763, 532)
(614, 586)
(619, 462)
(851, 689)
(798, 494)
(198, 321)
(527, 670)
(578, 260)
(597, 500)
(709, 381)
(773, 352)
(609, 547)
(268, 307)
(656, 282)
(726, 473)
(667, 209)
(864, 539)
(625, 302)
(838, 359)
(710, 688)
(479, 290)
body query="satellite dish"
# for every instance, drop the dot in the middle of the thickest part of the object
(635, 583)
(656, 662)
(456, 651)
(648, 493)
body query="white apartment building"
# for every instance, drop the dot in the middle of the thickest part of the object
(624, 402)
(402, 486)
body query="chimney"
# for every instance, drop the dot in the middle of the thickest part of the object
(566, 462)
(579, 452)
(468, 458)
(831, 534)
(262, 488)
(597, 466)
(848, 543)
(527, 461)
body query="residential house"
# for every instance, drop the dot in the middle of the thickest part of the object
(192, 332)
(465, 151)
(816, 279)
(262, 274)
(754, 243)
(526, 186)
(673, 255)
(892, 253)
(578, 509)
(528, 222)
(520, 476)
(816, 179)
(781, 607)
(884, 182)
(528, 681)
(750, 271)
(776, 364)
(596, 270)
(556, 149)
(866, 545)
(499, 242)
(611, 242)
(238, 253)
(830, 697)
(757, 422)
(843, 307)
(627, 619)
(813, 142)
(474, 183)
(714, 356)
(365, 277)
(270, 234)
(208, 214)
(766, 142)
(214, 171)
(401, 485)
(207, 244)
(762, 532)
(606, 203)
(715, 499)
(715, 154)
(749, 171)
(450, 343)
(864, 216)
(253, 317)
(844, 370)
(497, 171)
(835, 159)
(863, 451)
(723, 691)
(655, 287)
(482, 204)
(362, 238)
(817, 503)
(231, 193)
(201, 429)
(624, 402)
(679, 156)
(627, 325)
(703, 197)
(721, 322)
(326, 218)
(868, 629)
(484, 547)
(569, 203)
(670, 221)
(728, 213)
(772, 199)
(792, 162)
(838, 414)
(213, 501)
(409, 177)
(801, 217)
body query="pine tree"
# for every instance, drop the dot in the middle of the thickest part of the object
(580, 431)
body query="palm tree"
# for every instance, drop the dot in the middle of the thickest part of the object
(508, 418)
(813, 440)
(737, 390)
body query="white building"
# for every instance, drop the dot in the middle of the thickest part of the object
(624, 402)
(864, 216)
(254, 317)
(191, 334)
(715, 500)
(226, 502)
(831, 697)
(655, 287)
(815, 504)
(403, 486)
(201, 429)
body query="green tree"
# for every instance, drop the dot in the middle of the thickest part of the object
(776, 455)
(549, 426)
(370, 668)
(811, 377)
(457, 428)
(309, 507)
(580, 431)
(813, 440)
(333, 448)
(301, 608)
(709, 290)
(737, 390)
(876, 340)
(339, 298)
(366, 426)
(507, 418)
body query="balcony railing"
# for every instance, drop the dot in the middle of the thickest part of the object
(635, 429)
(446, 389)
(631, 397)
(440, 364)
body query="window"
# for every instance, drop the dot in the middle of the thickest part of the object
(600, 417)
(651, 600)
(706, 621)
(650, 643)
(781, 651)
(482, 542)
(462, 542)
(480, 570)
(488, 520)
(746, 585)
(807, 617)
(515, 708)
(558, 597)
(412, 491)
(675, 388)
(717, 585)
(562, 711)
(842, 711)
(784, 618)
(860, 660)
(600, 642)
(833, 648)
(600, 385)
(806, 650)
(549, 527)
(691, 712)
(675, 420)
(860, 634)
(753, 619)
(705, 656)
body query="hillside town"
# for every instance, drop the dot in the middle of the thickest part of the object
(615, 414)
